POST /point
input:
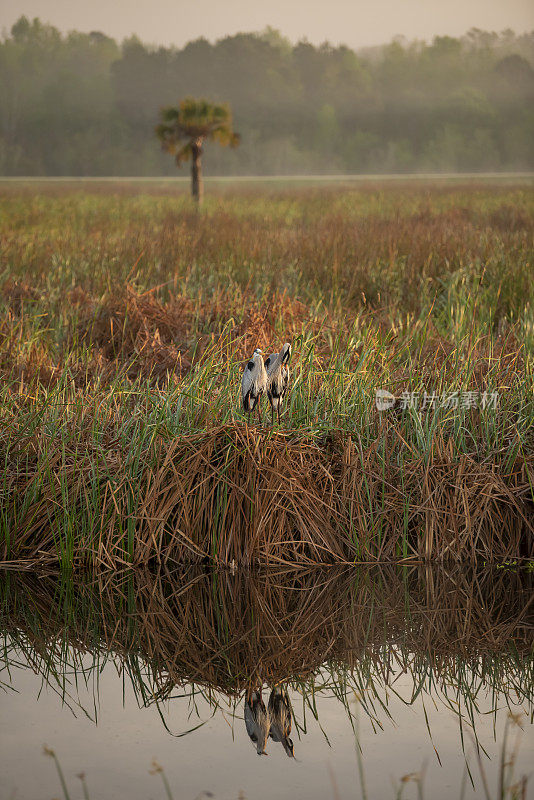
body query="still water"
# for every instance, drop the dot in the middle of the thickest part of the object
(389, 673)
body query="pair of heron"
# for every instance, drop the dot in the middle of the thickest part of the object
(273, 721)
(271, 376)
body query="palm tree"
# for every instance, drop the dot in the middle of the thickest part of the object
(183, 130)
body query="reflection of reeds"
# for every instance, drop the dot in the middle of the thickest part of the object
(225, 632)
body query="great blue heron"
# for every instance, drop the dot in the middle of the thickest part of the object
(253, 383)
(279, 711)
(257, 720)
(278, 378)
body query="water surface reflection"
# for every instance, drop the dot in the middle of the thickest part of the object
(361, 674)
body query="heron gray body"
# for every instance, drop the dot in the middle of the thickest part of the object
(253, 383)
(279, 711)
(278, 377)
(257, 721)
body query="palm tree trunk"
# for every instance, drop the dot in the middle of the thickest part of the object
(197, 186)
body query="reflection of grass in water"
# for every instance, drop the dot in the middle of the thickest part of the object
(459, 636)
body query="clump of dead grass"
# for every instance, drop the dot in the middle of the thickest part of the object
(17, 293)
(247, 495)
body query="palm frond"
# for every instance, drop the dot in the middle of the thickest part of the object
(195, 119)
(184, 154)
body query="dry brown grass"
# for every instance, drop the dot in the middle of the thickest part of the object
(133, 336)
(250, 495)
(137, 336)
(132, 325)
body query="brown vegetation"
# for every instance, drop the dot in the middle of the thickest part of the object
(249, 495)
(224, 631)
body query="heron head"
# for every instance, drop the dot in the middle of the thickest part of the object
(285, 353)
(288, 747)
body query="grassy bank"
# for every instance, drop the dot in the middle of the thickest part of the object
(127, 319)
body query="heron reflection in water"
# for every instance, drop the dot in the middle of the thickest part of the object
(257, 720)
(279, 710)
(273, 721)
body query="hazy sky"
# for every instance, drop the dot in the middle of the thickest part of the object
(354, 22)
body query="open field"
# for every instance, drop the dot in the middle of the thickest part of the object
(462, 178)
(126, 321)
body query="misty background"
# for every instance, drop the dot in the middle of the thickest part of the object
(84, 104)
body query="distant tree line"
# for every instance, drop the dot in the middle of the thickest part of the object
(82, 104)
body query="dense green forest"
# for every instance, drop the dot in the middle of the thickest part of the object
(83, 104)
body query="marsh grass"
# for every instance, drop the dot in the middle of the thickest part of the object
(127, 321)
